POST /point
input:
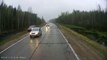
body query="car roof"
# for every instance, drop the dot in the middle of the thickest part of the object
(36, 28)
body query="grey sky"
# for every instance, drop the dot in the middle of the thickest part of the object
(52, 8)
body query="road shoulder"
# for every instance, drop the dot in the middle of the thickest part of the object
(13, 39)
(83, 49)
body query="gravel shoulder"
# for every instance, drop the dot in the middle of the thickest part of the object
(82, 48)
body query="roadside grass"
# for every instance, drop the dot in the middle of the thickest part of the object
(98, 36)
(98, 47)
(12, 37)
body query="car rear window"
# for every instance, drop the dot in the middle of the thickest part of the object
(36, 29)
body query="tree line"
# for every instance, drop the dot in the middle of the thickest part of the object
(14, 19)
(95, 20)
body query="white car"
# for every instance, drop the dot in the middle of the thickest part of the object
(35, 32)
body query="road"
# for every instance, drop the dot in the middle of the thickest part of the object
(50, 46)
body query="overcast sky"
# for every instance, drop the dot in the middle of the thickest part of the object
(52, 8)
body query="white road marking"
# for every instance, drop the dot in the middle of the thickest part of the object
(70, 46)
(13, 44)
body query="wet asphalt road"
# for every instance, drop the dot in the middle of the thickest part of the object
(50, 46)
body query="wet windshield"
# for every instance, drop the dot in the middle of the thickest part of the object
(53, 29)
